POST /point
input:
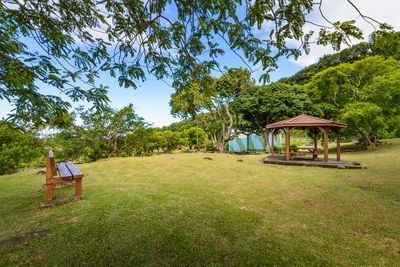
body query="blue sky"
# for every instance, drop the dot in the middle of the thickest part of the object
(151, 98)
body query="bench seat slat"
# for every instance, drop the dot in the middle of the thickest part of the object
(64, 171)
(76, 173)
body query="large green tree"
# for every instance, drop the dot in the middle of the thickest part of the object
(259, 106)
(365, 121)
(335, 87)
(105, 131)
(368, 88)
(206, 94)
(67, 44)
(384, 91)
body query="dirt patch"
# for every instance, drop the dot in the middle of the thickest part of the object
(23, 238)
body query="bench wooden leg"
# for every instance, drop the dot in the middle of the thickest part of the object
(48, 195)
(78, 187)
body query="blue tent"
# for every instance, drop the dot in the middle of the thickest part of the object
(254, 141)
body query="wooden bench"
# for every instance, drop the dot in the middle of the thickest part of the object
(67, 172)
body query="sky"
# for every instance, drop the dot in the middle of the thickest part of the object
(151, 98)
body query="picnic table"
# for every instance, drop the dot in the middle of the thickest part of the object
(302, 150)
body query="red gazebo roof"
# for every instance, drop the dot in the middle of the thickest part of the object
(305, 121)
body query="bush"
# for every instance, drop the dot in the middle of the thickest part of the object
(209, 146)
(123, 154)
(19, 149)
(88, 155)
(14, 156)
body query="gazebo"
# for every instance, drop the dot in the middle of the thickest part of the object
(314, 125)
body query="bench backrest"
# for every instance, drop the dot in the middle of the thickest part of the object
(51, 168)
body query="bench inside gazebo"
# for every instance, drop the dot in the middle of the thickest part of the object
(314, 125)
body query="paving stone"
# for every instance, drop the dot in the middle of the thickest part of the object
(307, 161)
(60, 200)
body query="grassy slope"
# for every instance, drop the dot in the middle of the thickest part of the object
(181, 209)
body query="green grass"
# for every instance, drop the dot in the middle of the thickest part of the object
(182, 210)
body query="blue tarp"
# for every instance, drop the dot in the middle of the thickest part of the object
(255, 142)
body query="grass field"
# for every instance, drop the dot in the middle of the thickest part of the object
(180, 209)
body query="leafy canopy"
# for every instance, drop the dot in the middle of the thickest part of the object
(335, 87)
(208, 99)
(365, 94)
(67, 44)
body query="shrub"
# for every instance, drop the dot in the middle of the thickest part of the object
(209, 146)
(88, 155)
(19, 148)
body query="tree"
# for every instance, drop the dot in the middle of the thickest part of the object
(144, 141)
(366, 121)
(384, 91)
(368, 85)
(18, 147)
(106, 129)
(348, 55)
(183, 125)
(259, 106)
(214, 96)
(386, 43)
(68, 44)
(195, 137)
(335, 87)
(169, 140)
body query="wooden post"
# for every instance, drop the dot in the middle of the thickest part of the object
(78, 187)
(272, 141)
(48, 195)
(315, 140)
(326, 144)
(287, 131)
(315, 132)
(338, 144)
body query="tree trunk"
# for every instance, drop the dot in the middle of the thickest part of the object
(266, 140)
(366, 139)
(219, 145)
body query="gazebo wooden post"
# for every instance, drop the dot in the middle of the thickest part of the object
(337, 131)
(326, 144)
(315, 132)
(287, 131)
(272, 141)
(325, 131)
